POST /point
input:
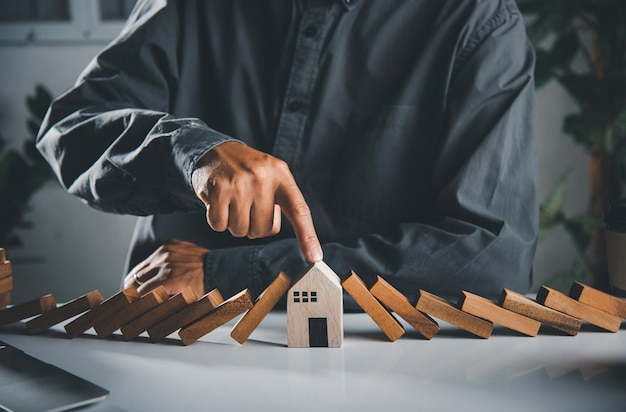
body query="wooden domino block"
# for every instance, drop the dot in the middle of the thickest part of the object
(563, 303)
(262, 306)
(139, 325)
(27, 310)
(598, 299)
(385, 321)
(186, 316)
(486, 309)
(6, 284)
(109, 324)
(444, 310)
(3, 255)
(5, 299)
(225, 312)
(64, 312)
(5, 269)
(399, 303)
(518, 303)
(107, 308)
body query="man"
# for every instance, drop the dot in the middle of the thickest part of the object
(403, 129)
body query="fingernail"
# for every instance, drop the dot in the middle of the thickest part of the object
(316, 254)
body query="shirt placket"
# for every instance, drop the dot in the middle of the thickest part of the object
(312, 30)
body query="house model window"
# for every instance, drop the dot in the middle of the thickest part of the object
(315, 309)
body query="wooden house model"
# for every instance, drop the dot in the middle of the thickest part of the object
(315, 309)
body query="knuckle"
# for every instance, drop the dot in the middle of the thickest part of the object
(301, 210)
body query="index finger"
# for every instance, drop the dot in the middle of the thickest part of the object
(291, 201)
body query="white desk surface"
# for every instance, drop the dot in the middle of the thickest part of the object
(452, 372)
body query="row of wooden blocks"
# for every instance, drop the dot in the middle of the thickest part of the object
(160, 315)
(6, 280)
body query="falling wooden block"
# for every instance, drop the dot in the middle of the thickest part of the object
(444, 310)
(64, 312)
(6, 284)
(225, 312)
(109, 324)
(107, 308)
(598, 299)
(486, 309)
(262, 306)
(139, 325)
(5, 299)
(186, 316)
(385, 320)
(563, 303)
(315, 308)
(27, 310)
(399, 303)
(518, 303)
(5, 269)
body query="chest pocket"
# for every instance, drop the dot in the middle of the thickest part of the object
(380, 173)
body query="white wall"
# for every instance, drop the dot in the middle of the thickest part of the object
(83, 249)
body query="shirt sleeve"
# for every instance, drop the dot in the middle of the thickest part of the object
(483, 234)
(110, 139)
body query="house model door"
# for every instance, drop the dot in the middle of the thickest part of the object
(318, 332)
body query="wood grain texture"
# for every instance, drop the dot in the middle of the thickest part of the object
(5, 300)
(109, 324)
(64, 312)
(598, 299)
(6, 284)
(27, 310)
(108, 307)
(486, 309)
(444, 310)
(385, 320)
(139, 325)
(323, 301)
(262, 306)
(563, 303)
(225, 312)
(397, 302)
(3, 255)
(185, 316)
(5, 269)
(518, 303)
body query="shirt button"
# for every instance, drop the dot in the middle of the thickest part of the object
(310, 31)
(295, 105)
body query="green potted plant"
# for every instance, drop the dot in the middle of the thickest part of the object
(582, 45)
(22, 173)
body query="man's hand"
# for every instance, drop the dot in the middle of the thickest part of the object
(175, 265)
(244, 191)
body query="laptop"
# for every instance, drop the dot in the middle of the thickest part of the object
(29, 384)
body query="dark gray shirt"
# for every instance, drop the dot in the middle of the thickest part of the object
(407, 125)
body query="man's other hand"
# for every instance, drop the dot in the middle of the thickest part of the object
(175, 265)
(244, 191)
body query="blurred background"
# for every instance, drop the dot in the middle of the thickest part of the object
(63, 247)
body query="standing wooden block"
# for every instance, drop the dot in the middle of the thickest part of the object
(5, 299)
(186, 316)
(444, 310)
(107, 308)
(598, 299)
(111, 323)
(5, 269)
(486, 309)
(27, 310)
(64, 312)
(518, 303)
(225, 312)
(139, 325)
(6, 284)
(398, 303)
(315, 309)
(3, 255)
(563, 303)
(385, 320)
(262, 306)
